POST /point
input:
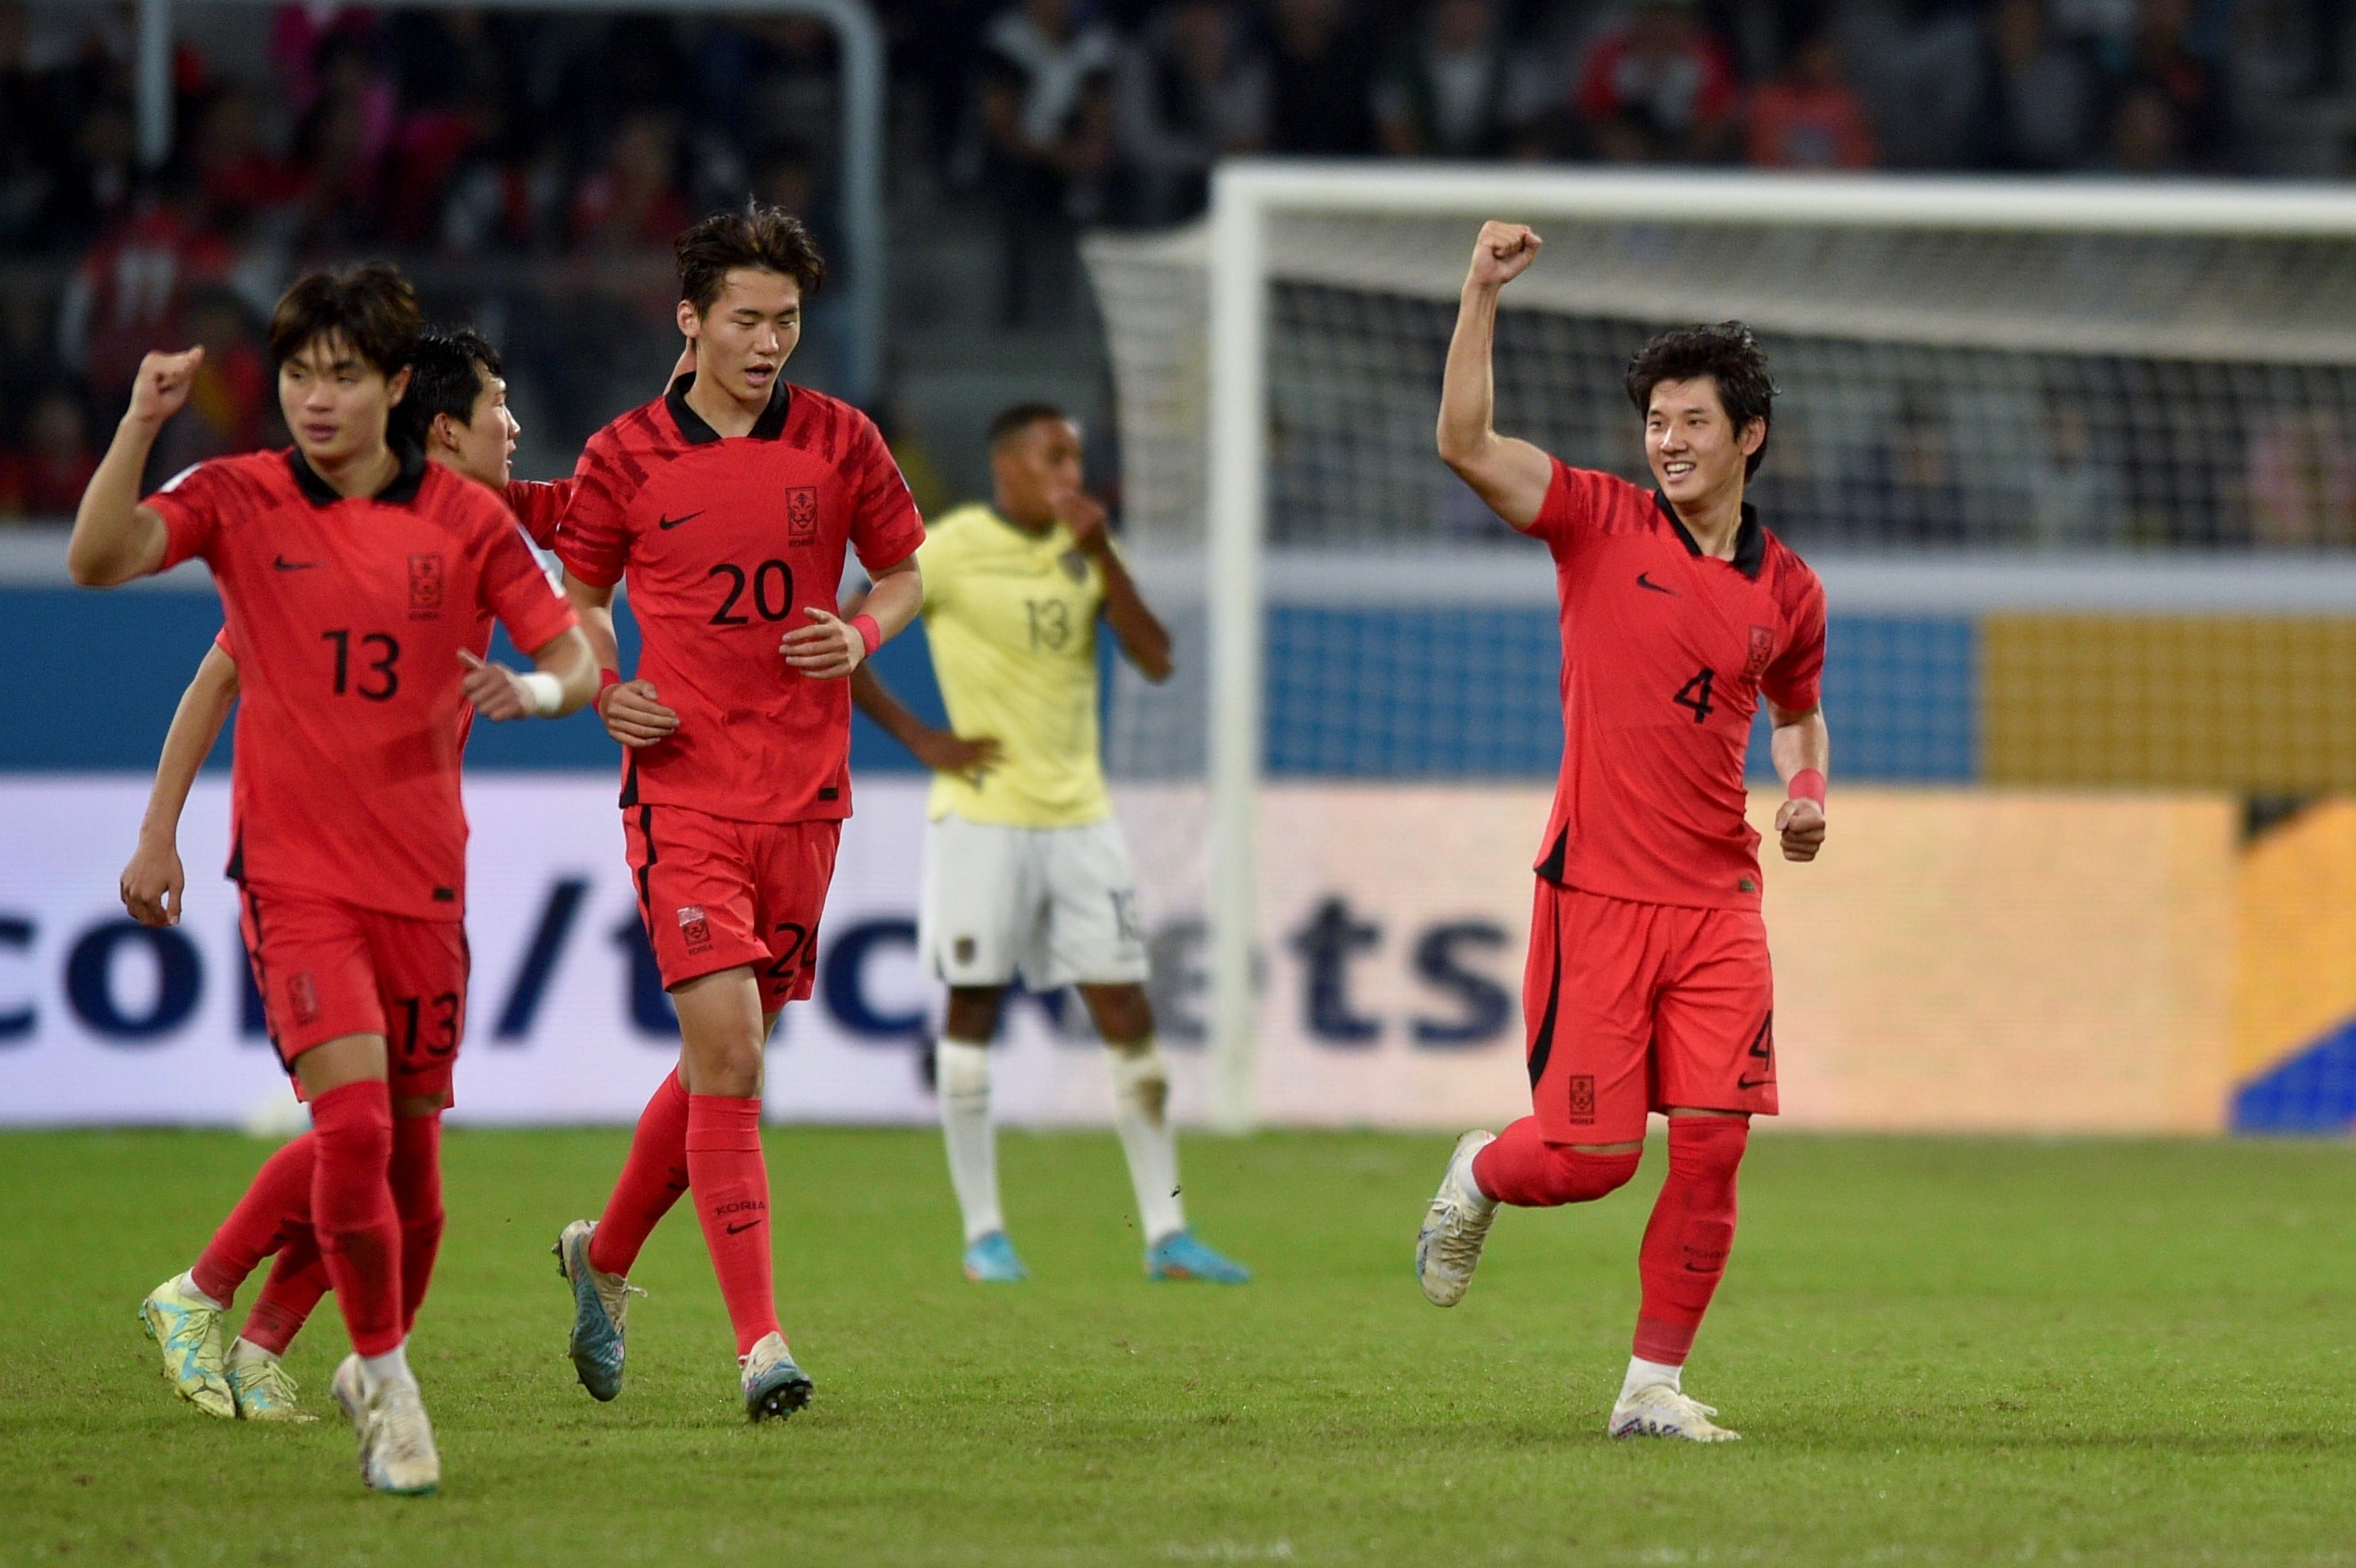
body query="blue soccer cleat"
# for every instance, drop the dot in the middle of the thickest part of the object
(774, 1386)
(601, 1306)
(990, 1260)
(1178, 1255)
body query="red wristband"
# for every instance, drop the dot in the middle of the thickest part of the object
(1808, 784)
(869, 632)
(607, 681)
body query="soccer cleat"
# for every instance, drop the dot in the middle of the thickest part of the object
(347, 1389)
(264, 1390)
(773, 1385)
(990, 1260)
(188, 1333)
(397, 1452)
(601, 1305)
(1456, 1226)
(1178, 1255)
(1656, 1410)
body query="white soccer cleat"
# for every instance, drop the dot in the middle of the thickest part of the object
(1656, 1410)
(774, 1386)
(397, 1452)
(1448, 1248)
(266, 1391)
(347, 1389)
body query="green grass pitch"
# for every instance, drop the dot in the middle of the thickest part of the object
(1939, 1351)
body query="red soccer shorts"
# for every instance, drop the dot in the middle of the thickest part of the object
(1634, 1007)
(718, 894)
(326, 969)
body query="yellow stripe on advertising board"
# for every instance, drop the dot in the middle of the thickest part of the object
(2296, 969)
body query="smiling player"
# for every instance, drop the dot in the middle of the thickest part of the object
(1648, 986)
(352, 575)
(728, 504)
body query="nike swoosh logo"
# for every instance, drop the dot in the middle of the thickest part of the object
(667, 524)
(1747, 1083)
(747, 1225)
(1645, 581)
(283, 564)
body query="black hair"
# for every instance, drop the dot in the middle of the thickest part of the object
(1728, 355)
(756, 235)
(1013, 422)
(369, 307)
(446, 378)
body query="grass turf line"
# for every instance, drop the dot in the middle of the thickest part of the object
(1938, 1351)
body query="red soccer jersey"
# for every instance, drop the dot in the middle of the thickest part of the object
(1664, 654)
(723, 543)
(348, 616)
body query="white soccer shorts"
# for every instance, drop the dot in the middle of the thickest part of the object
(1057, 905)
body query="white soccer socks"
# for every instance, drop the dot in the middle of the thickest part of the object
(962, 1079)
(1645, 1374)
(1141, 1099)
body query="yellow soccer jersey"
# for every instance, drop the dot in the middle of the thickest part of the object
(1011, 619)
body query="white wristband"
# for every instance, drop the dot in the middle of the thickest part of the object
(547, 692)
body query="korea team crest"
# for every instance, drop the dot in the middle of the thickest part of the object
(1762, 652)
(693, 929)
(424, 587)
(801, 514)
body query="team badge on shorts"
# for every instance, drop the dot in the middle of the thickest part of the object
(303, 995)
(1762, 652)
(693, 929)
(801, 514)
(424, 587)
(1582, 1097)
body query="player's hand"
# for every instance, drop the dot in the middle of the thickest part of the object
(160, 388)
(1503, 253)
(153, 886)
(632, 715)
(1084, 515)
(827, 649)
(1802, 824)
(947, 753)
(496, 691)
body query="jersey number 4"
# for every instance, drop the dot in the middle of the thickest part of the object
(1695, 694)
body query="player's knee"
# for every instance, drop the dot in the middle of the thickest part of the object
(1122, 1014)
(1141, 1079)
(1579, 1175)
(973, 1011)
(1706, 1148)
(961, 1070)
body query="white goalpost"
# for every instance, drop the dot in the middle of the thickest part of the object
(2052, 396)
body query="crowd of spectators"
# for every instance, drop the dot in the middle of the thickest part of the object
(324, 128)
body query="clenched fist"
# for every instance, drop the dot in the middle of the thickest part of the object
(1502, 253)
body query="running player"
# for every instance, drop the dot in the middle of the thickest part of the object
(352, 576)
(1648, 986)
(455, 411)
(727, 505)
(1026, 869)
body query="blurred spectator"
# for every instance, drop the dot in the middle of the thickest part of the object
(2165, 66)
(45, 479)
(1447, 91)
(24, 177)
(1807, 118)
(2302, 483)
(1045, 89)
(1915, 65)
(1191, 91)
(1909, 488)
(344, 138)
(230, 400)
(2037, 100)
(1660, 88)
(2146, 136)
(240, 180)
(633, 199)
(95, 188)
(1320, 80)
(131, 293)
(2074, 496)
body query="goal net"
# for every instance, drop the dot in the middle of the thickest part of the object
(2077, 463)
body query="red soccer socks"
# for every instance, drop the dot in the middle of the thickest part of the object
(277, 1205)
(1522, 1168)
(652, 1180)
(297, 1279)
(1692, 1230)
(415, 1175)
(732, 1199)
(352, 1211)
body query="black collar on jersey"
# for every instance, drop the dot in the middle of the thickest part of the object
(768, 427)
(401, 491)
(1750, 538)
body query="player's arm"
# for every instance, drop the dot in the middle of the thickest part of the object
(1803, 750)
(114, 537)
(830, 647)
(1142, 635)
(564, 680)
(629, 708)
(153, 886)
(1510, 476)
